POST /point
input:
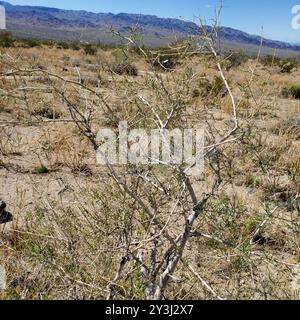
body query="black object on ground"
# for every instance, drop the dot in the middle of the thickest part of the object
(5, 216)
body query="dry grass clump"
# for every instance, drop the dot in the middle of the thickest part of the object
(46, 111)
(292, 127)
(210, 89)
(236, 59)
(63, 149)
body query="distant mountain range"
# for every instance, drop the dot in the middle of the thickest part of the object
(58, 24)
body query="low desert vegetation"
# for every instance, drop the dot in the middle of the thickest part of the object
(90, 49)
(82, 230)
(124, 68)
(292, 91)
(6, 39)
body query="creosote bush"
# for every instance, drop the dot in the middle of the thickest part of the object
(291, 126)
(210, 88)
(124, 68)
(41, 170)
(292, 91)
(90, 49)
(75, 45)
(285, 65)
(46, 111)
(236, 58)
(31, 43)
(6, 39)
(63, 45)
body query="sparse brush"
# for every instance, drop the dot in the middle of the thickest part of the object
(90, 49)
(287, 67)
(284, 65)
(75, 46)
(292, 91)
(90, 231)
(63, 45)
(41, 170)
(46, 111)
(235, 59)
(6, 39)
(291, 126)
(125, 68)
(31, 43)
(214, 88)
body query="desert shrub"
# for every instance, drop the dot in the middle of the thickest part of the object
(228, 216)
(213, 88)
(41, 170)
(218, 87)
(75, 45)
(5, 104)
(63, 45)
(291, 126)
(106, 47)
(291, 91)
(66, 58)
(165, 62)
(235, 59)
(120, 55)
(92, 81)
(269, 61)
(6, 39)
(49, 43)
(90, 50)
(31, 43)
(285, 65)
(45, 111)
(124, 68)
(74, 243)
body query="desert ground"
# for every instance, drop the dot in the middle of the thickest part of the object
(77, 233)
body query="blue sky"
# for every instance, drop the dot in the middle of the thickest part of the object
(248, 15)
